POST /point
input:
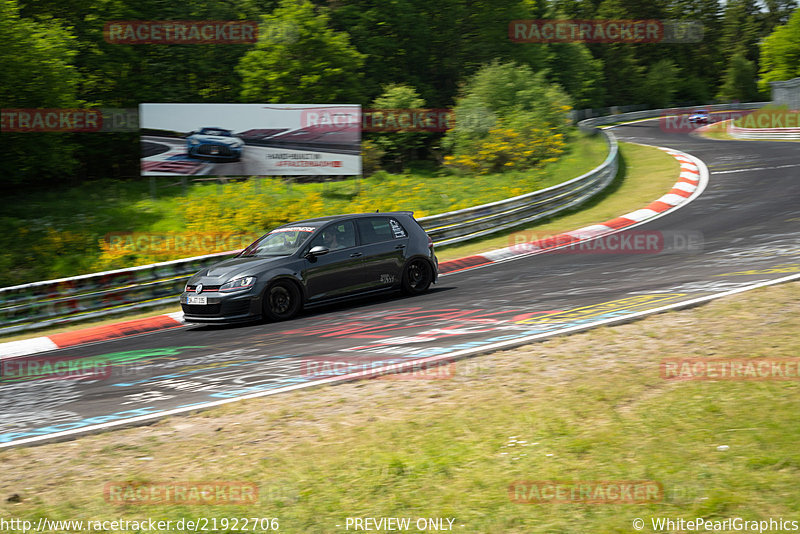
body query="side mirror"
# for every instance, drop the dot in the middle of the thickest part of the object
(317, 251)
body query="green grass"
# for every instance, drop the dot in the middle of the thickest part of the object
(56, 232)
(590, 406)
(645, 174)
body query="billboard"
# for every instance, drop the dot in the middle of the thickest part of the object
(250, 139)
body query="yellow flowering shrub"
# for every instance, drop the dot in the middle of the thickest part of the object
(507, 148)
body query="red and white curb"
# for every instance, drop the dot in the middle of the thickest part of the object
(25, 347)
(692, 182)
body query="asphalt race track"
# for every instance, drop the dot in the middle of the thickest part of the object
(745, 229)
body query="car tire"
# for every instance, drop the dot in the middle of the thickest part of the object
(281, 301)
(417, 277)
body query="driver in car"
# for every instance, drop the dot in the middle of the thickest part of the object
(330, 240)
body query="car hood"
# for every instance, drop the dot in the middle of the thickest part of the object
(237, 267)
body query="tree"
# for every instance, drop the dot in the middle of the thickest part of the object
(780, 53)
(434, 46)
(317, 65)
(660, 84)
(739, 82)
(508, 117)
(124, 75)
(399, 147)
(37, 73)
(741, 29)
(572, 66)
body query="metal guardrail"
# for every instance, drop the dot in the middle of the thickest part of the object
(470, 223)
(55, 302)
(588, 124)
(66, 300)
(763, 133)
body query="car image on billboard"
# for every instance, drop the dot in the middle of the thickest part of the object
(214, 143)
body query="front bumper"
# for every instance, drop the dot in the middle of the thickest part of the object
(222, 308)
(205, 151)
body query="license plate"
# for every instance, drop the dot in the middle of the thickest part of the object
(196, 300)
(215, 150)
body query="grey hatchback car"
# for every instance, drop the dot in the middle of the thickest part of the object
(312, 262)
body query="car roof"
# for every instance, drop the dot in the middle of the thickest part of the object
(319, 221)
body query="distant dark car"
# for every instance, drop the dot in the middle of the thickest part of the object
(214, 143)
(699, 116)
(311, 262)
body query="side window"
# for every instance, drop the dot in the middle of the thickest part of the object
(379, 229)
(397, 229)
(336, 236)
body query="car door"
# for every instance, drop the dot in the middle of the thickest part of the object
(340, 271)
(384, 241)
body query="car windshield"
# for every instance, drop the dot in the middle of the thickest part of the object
(214, 131)
(279, 242)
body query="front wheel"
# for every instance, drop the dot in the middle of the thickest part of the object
(417, 277)
(281, 301)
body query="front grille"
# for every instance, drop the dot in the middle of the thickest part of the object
(215, 150)
(200, 310)
(190, 289)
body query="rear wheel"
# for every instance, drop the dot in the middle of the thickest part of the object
(281, 301)
(417, 277)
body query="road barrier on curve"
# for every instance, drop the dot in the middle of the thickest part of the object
(66, 300)
(763, 133)
(56, 302)
(478, 221)
(588, 124)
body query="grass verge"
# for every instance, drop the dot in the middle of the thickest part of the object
(586, 407)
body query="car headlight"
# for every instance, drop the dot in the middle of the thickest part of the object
(238, 284)
(194, 142)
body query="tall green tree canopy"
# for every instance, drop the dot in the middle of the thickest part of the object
(311, 63)
(37, 72)
(780, 52)
(739, 82)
